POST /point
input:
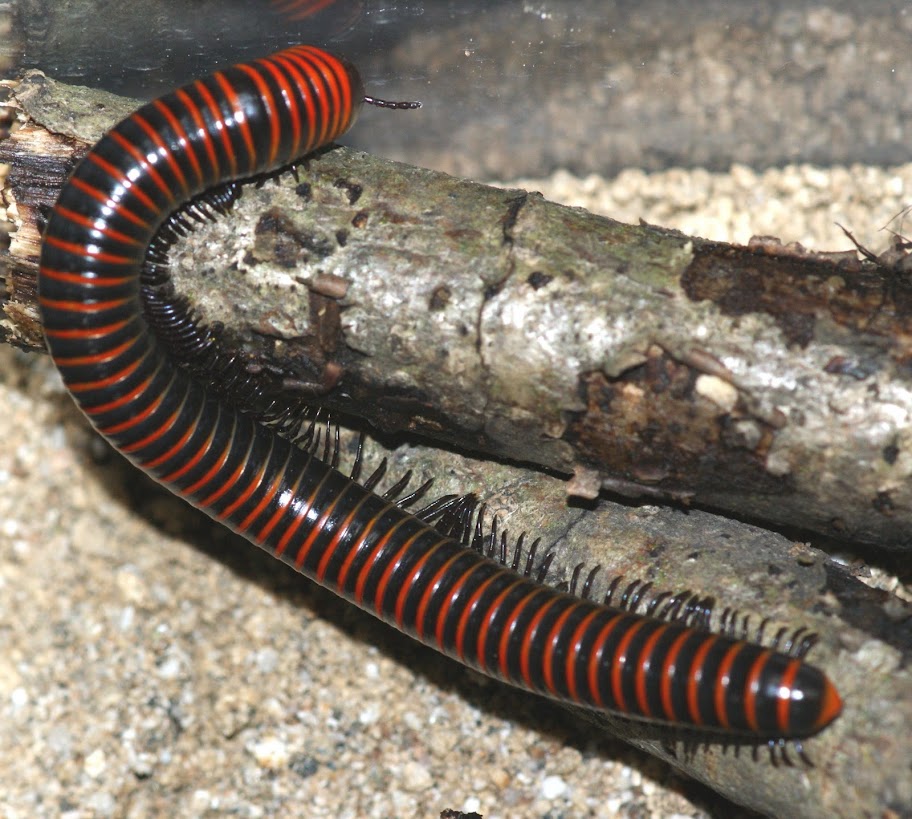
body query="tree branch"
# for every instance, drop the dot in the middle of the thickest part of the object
(764, 381)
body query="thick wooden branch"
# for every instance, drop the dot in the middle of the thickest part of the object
(759, 380)
(763, 381)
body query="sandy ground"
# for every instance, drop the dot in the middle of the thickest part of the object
(152, 665)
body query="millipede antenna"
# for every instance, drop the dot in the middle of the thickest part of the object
(394, 105)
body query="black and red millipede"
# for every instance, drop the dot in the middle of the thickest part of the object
(254, 118)
(295, 10)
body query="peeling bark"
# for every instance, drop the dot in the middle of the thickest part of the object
(759, 380)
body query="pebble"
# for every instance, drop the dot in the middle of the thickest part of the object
(95, 763)
(270, 753)
(553, 787)
(416, 777)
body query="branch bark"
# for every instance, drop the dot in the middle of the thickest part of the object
(760, 380)
(763, 381)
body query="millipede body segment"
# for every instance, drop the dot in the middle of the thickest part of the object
(245, 121)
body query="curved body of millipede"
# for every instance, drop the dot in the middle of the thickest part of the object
(244, 121)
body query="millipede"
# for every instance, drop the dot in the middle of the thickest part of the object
(418, 572)
(296, 10)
